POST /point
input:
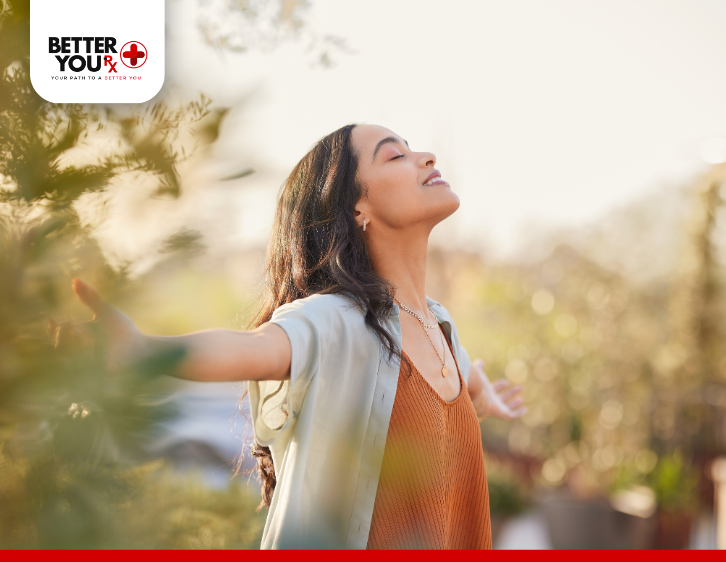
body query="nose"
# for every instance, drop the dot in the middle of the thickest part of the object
(427, 158)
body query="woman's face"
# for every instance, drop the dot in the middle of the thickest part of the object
(395, 176)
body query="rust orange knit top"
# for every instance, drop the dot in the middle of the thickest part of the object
(432, 491)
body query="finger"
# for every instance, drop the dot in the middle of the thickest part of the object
(515, 403)
(510, 393)
(65, 335)
(519, 412)
(479, 362)
(69, 335)
(501, 384)
(89, 296)
(51, 325)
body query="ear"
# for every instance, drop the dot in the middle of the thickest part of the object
(359, 211)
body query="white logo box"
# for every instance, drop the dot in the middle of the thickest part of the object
(88, 31)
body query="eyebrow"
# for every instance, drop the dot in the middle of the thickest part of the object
(384, 141)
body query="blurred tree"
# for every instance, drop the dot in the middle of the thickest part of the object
(242, 25)
(69, 434)
(692, 362)
(620, 368)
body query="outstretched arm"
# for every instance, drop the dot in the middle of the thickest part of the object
(230, 355)
(498, 399)
(209, 355)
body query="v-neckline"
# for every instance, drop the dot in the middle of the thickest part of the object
(428, 384)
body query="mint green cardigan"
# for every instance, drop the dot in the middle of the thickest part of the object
(327, 426)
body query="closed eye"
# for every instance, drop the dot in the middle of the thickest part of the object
(399, 156)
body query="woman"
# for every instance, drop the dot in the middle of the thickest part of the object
(364, 404)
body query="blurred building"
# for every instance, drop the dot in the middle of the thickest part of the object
(209, 432)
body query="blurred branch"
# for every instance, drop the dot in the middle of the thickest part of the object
(692, 357)
(68, 430)
(693, 307)
(243, 25)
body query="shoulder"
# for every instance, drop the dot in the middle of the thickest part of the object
(439, 309)
(322, 307)
(444, 316)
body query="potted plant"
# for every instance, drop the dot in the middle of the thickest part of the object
(587, 512)
(675, 485)
(508, 495)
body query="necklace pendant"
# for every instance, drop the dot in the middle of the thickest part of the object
(444, 371)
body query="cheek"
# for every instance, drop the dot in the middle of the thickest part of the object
(395, 197)
(399, 184)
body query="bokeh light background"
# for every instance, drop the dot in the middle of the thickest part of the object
(586, 142)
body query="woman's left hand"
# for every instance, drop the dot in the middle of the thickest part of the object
(498, 399)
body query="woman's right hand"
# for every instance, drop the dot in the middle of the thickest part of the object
(122, 342)
(213, 355)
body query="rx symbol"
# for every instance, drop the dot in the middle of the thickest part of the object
(107, 62)
(133, 54)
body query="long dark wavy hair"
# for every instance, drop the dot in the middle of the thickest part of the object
(316, 246)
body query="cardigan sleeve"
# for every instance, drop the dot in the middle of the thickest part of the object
(274, 404)
(464, 364)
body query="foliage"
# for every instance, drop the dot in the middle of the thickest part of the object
(140, 507)
(618, 372)
(674, 483)
(507, 495)
(178, 511)
(70, 434)
(38, 138)
(673, 479)
(242, 25)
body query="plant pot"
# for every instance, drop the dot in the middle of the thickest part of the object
(592, 524)
(673, 530)
(497, 523)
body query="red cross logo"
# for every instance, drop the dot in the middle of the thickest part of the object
(133, 54)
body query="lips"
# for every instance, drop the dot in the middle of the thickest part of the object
(435, 179)
(434, 174)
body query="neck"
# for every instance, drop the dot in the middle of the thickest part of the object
(401, 259)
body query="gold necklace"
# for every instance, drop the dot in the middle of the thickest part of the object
(429, 326)
(444, 368)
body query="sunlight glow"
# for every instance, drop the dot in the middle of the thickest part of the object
(713, 150)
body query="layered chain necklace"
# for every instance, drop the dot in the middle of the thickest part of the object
(444, 368)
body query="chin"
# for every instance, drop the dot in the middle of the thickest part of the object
(447, 206)
(452, 201)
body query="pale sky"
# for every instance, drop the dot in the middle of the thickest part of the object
(539, 112)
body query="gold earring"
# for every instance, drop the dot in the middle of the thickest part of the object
(364, 224)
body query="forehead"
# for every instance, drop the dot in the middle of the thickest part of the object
(365, 138)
